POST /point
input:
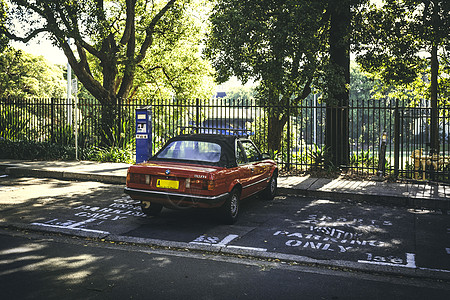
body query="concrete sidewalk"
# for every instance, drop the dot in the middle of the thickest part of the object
(415, 195)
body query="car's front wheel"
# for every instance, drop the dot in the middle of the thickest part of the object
(271, 190)
(230, 209)
(151, 209)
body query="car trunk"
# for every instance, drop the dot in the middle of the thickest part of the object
(172, 177)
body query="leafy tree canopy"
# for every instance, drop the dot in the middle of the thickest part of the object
(277, 43)
(3, 39)
(393, 38)
(120, 48)
(24, 75)
(117, 43)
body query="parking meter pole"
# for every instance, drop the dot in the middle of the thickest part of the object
(382, 155)
(143, 134)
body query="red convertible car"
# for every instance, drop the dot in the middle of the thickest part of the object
(203, 170)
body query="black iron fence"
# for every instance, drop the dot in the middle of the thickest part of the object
(405, 127)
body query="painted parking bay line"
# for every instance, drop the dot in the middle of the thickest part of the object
(74, 226)
(246, 248)
(215, 241)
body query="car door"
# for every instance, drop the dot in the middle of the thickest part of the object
(245, 170)
(257, 168)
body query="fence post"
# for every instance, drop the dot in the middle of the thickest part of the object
(52, 120)
(119, 121)
(197, 112)
(396, 139)
(288, 158)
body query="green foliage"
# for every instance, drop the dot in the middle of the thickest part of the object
(392, 40)
(275, 43)
(363, 159)
(30, 150)
(3, 17)
(320, 157)
(109, 154)
(122, 49)
(121, 150)
(244, 96)
(270, 41)
(24, 75)
(13, 123)
(64, 135)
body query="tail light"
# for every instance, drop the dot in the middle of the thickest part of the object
(199, 184)
(211, 185)
(138, 178)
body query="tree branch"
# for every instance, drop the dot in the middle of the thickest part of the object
(150, 29)
(26, 39)
(129, 25)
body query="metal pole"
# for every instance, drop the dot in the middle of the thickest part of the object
(315, 119)
(69, 90)
(396, 139)
(75, 91)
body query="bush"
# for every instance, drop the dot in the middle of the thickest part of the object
(31, 150)
(112, 154)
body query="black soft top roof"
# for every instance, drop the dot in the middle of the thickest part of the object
(227, 142)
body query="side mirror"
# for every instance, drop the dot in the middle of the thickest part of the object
(265, 156)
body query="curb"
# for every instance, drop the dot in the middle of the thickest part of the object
(388, 200)
(416, 273)
(21, 172)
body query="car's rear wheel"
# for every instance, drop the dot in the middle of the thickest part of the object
(151, 209)
(271, 190)
(230, 209)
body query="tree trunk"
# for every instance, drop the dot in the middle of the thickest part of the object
(336, 129)
(109, 123)
(434, 134)
(275, 132)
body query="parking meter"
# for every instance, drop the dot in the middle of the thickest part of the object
(143, 134)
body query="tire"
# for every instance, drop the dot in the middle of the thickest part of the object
(230, 209)
(271, 190)
(151, 209)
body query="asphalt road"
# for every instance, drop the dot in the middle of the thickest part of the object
(346, 235)
(49, 266)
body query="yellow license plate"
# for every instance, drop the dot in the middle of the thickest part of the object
(167, 184)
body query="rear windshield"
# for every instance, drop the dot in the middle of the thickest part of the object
(192, 151)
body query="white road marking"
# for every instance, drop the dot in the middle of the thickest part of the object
(71, 228)
(247, 248)
(228, 239)
(211, 240)
(437, 270)
(410, 262)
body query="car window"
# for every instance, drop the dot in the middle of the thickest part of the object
(251, 151)
(192, 150)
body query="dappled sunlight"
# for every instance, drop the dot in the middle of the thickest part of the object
(74, 278)
(162, 261)
(50, 190)
(42, 262)
(55, 264)
(22, 249)
(40, 200)
(21, 259)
